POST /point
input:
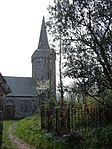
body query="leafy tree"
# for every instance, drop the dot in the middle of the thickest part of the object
(86, 28)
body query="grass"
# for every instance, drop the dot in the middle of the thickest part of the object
(6, 143)
(29, 130)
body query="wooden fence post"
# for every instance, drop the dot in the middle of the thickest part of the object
(68, 120)
(43, 117)
(56, 119)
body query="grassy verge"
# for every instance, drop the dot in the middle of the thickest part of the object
(29, 130)
(6, 143)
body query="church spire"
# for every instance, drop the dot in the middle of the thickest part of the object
(43, 41)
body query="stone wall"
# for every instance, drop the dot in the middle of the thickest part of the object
(20, 106)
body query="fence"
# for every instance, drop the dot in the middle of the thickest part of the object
(66, 119)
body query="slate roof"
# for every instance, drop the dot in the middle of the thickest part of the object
(21, 86)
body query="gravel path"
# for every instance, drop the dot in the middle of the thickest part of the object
(18, 142)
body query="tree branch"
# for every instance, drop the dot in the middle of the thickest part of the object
(98, 100)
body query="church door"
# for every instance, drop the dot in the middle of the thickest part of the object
(9, 110)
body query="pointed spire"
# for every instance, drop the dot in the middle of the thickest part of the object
(43, 41)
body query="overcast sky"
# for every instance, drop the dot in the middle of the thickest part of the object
(20, 22)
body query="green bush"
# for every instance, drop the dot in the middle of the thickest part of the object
(100, 138)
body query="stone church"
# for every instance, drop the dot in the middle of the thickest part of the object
(26, 97)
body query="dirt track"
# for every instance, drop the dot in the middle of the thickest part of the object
(16, 141)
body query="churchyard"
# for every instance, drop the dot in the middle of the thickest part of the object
(63, 128)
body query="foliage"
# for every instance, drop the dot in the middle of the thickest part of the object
(43, 85)
(99, 138)
(6, 143)
(29, 130)
(85, 27)
(51, 102)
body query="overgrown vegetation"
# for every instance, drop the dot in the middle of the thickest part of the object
(100, 138)
(30, 131)
(6, 143)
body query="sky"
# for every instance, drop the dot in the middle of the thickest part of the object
(20, 23)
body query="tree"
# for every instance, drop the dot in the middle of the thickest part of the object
(60, 73)
(58, 44)
(86, 27)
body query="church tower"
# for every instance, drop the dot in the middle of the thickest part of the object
(43, 63)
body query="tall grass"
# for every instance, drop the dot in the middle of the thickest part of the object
(6, 143)
(30, 131)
